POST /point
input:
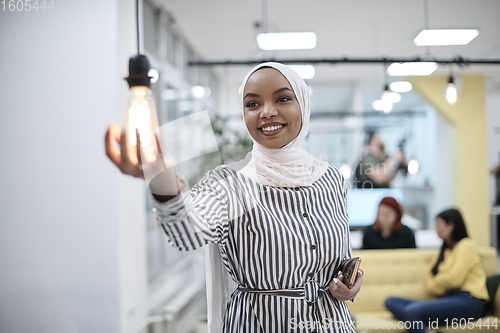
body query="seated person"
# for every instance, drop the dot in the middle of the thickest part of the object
(388, 232)
(456, 278)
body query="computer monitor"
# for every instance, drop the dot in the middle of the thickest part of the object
(362, 204)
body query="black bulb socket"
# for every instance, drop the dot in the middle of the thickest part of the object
(451, 79)
(138, 69)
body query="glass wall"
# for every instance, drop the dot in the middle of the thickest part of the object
(179, 91)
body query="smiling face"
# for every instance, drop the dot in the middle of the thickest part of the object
(271, 110)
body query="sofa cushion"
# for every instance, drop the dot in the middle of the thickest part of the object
(400, 273)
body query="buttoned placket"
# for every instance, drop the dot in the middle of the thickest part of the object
(304, 212)
(312, 288)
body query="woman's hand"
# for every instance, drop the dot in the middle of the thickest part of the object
(160, 174)
(128, 157)
(338, 289)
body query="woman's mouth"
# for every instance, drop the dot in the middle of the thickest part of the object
(270, 130)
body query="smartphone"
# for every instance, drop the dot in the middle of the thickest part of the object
(349, 268)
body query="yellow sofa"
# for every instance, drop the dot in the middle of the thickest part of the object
(401, 273)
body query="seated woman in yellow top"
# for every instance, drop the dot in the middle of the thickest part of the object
(456, 279)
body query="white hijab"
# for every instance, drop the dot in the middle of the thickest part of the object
(289, 166)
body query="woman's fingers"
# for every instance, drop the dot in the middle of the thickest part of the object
(338, 289)
(158, 145)
(138, 146)
(111, 138)
(125, 158)
(356, 287)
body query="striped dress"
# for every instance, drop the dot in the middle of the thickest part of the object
(269, 238)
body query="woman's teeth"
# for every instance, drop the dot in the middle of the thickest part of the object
(271, 128)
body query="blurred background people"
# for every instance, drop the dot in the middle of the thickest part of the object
(388, 232)
(496, 219)
(496, 173)
(456, 278)
(376, 169)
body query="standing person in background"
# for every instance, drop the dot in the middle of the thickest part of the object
(376, 169)
(456, 278)
(496, 173)
(388, 232)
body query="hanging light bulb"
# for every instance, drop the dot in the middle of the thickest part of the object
(140, 114)
(413, 166)
(451, 91)
(387, 104)
(345, 170)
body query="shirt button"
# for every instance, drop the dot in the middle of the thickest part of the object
(313, 247)
(305, 215)
(311, 274)
(297, 188)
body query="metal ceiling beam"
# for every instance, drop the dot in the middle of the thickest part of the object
(343, 114)
(458, 60)
(346, 114)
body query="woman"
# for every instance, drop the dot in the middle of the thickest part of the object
(278, 220)
(388, 232)
(456, 279)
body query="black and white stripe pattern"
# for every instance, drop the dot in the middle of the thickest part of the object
(269, 238)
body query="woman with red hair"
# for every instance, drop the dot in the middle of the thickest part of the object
(388, 232)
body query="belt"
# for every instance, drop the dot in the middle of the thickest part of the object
(309, 292)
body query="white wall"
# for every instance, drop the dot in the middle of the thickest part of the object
(443, 176)
(72, 254)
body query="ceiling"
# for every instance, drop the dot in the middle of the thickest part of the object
(225, 30)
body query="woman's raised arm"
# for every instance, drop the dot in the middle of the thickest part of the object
(159, 174)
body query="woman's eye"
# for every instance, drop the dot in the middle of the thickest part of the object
(284, 99)
(251, 105)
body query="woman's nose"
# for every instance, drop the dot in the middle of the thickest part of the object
(268, 111)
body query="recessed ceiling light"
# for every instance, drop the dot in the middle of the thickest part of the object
(394, 97)
(401, 86)
(305, 71)
(412, 68)
(380, 105)
(200, 92)
(434, 37)
(287, 40)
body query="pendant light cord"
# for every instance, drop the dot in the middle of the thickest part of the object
(426, 24)
(265, 19)
(137, 25)
(385, 75)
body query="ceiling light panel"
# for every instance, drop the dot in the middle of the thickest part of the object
(412, 68)
(305, 71)
(401, 86)
(287, 41)
(436, 37)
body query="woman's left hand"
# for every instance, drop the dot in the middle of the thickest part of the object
(338, 289)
